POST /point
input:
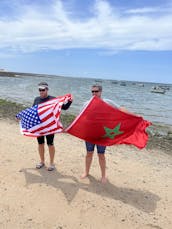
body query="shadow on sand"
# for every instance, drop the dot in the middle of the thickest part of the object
(69, 185)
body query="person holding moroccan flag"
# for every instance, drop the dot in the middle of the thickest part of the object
(103, 123)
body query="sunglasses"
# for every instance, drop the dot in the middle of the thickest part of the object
(41, 89)
(95, 91)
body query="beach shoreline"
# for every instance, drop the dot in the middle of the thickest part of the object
(137, 194)
(160, 135)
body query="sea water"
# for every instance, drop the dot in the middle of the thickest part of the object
(133, 96)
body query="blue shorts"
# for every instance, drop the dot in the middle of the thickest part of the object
(90, 147)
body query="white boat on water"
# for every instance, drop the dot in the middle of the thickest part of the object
(141, 85)
(157, 89)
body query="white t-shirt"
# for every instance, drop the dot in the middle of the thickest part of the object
(109, 101)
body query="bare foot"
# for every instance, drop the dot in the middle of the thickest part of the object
(103, 180)
(84, 175)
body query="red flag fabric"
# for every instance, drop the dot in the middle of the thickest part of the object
(101, 123)
(43, 119)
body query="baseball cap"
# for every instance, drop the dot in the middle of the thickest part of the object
(43, 85)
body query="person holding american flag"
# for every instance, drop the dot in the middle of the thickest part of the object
(42, 121)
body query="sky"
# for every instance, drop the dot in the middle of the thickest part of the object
(106, 39)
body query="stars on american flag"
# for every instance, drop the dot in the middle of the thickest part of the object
(30, 117)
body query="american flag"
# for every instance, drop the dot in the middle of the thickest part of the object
(43, 119)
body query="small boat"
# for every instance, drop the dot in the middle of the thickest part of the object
(141, 85)
(114, 82)
(122, 84)
(165, 87)
(98, 80)
(157, 89)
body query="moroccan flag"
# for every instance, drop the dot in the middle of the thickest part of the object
(102, 124)
(43, 119)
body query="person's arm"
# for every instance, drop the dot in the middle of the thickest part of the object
(126, 111)
(112, 103)
(67, 103)
(123, 109)
(65, 106)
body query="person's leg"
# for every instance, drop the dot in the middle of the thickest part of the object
(88, 158)
(51, 148)
(51, 153)
(41, 152)
(102, 162)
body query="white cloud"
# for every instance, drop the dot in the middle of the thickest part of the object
(108, 28)
(146, 10)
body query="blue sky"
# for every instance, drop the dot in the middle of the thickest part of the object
(109, 39)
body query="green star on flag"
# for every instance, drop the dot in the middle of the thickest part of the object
(111, 133)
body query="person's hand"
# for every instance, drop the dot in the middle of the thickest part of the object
(68, 100)
(17, 120)
(71, 99)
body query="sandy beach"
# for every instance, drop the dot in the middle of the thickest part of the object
(137, 194)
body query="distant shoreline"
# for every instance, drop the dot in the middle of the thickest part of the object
(19, 74)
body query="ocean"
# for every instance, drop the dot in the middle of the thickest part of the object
(134, 96)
